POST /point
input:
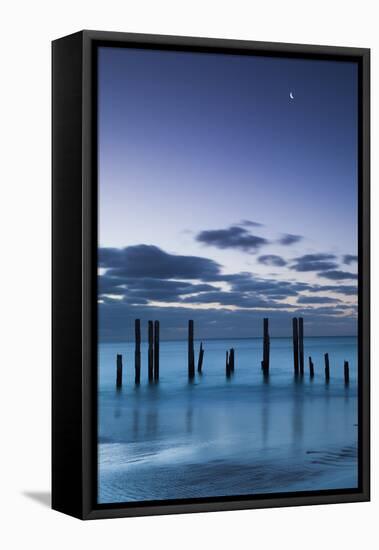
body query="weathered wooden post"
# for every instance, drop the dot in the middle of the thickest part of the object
(266, 347)
(191, 351)
(301, 345)
(311, 368)
(119, 371)
(327, 369)
(231, 360)
(227, 365)
(346, 372)
(200, 360)
(151, 351)
(295, 341)
(137, 352)
(156, 351)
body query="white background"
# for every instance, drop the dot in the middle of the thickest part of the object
(26, 31)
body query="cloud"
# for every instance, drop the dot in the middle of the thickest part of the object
(110, 285)
(288, 239)
(245, 292)
(145, 273)
(329, 314)
(250, 223)
(267, 287)
(234, 237)
(348, 290)
(349, 258)
(236, 299)
(317, 300)
(337, 275)
(151, 262)
(139, 280)
(161, 290)
(314, 262)
(272, 260)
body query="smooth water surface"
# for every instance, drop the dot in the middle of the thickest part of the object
(218, 436)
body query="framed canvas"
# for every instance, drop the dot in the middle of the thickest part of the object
(210, 275)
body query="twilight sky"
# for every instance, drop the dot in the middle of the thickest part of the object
(223, 200)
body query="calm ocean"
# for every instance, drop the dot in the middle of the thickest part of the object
(219, 437)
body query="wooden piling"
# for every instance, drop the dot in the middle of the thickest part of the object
(327, 368)
(191, 351)
(231, 360)
(151, 351)
(301, 345)
(266, 347)
(311, 368)
(156, 351)
(119, 371)
(346, 372)
(137, 352)
(227, 365)
(200, 360)
(295, 340)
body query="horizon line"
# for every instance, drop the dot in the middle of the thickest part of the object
(227, 338)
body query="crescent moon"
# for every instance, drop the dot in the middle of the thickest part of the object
(292, 96)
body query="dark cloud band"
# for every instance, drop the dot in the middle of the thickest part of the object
(349, 259)
(272, 260)
(314, 262)
(152, 262)
(337, 275)
(141, 275)
(234, 237)
(287, 239)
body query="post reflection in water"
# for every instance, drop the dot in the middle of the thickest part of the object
(117, 410)
(265, 414)
(298, 413)
(136, 424)
(189, 419)
(152, 423)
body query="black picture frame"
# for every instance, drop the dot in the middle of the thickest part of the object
(74, 332)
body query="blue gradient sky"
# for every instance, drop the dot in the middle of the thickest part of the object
(192, 142)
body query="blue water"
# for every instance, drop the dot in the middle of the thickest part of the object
(219, 437)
